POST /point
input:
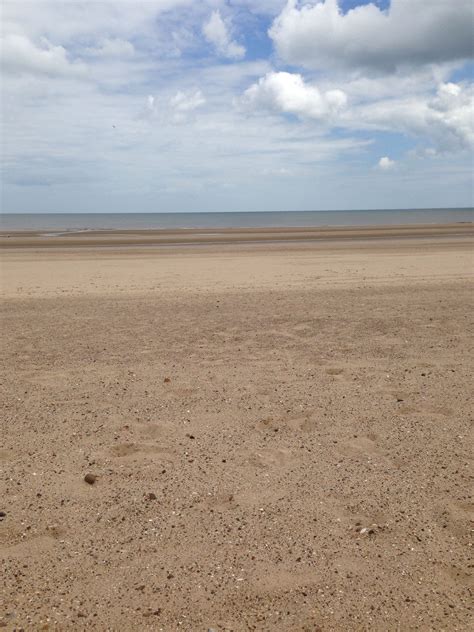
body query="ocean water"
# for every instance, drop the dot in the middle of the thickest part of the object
(124, 221)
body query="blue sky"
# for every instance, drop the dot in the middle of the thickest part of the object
(236, 105)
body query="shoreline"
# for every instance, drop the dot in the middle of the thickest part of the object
(222, 236)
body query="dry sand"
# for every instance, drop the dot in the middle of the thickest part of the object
(280, 433)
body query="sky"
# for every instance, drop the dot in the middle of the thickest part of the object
(235, 105)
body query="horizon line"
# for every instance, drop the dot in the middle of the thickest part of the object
(339, 210)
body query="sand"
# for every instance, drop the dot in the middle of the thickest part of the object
(279, 431)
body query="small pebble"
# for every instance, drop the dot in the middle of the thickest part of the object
(167, 380)
(151, 496)
(90, 478)
(367, 531)
(2, 515)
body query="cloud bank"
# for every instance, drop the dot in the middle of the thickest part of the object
(184, 105)
(411, 32)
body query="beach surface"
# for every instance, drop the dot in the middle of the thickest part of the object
(276, 427)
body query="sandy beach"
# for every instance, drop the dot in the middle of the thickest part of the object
(276, 425)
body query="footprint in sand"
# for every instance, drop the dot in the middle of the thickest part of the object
(257, 495)
(364, 446)
(456, 517)
(41, 544)
(334, 371)
(124, 449)
(361, 524)
(410, 404)
(220, 500)
(55, 531)
(135, 450)
(155, 430)
(436, 411)
(460, 576)
(7, 455)
(303, 423)
(268, 458)
(270, 579)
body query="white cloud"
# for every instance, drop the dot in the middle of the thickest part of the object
(216, 32)
(410, 32)
(362, 87)
(69, 20)
(445, 120)
(175, 109)
(111, 47)
(288, 93)
(20, 55)
(183, 102)
(385, 163)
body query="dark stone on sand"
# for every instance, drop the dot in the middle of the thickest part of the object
(151, 496)
(167, 380)
(90, 478)
(2, 515)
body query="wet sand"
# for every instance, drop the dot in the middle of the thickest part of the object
(280, 431)
(190, 236)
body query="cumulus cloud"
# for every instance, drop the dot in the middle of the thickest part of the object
(385, 163)
(20, 55)
(176, 109)
(288, 93)
(408, 33)
(187, 102)
(451, 112)
(111, 47)
(444, 120)
(216, 32)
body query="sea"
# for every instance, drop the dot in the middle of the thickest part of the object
(268, 219)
